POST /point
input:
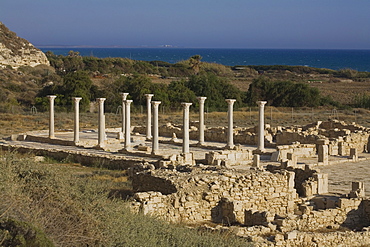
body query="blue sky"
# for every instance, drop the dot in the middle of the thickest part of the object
(307, 24)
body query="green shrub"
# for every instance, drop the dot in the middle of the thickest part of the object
(15, 233)
(284, 93)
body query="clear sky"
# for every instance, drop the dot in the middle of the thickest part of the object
(307, 24)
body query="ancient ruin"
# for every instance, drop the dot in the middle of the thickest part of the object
(262, 183)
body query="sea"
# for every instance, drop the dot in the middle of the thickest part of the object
(319, 58)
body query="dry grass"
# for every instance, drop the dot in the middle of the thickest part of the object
(74, 205)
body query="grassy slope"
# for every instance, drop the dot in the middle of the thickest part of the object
(74, 206)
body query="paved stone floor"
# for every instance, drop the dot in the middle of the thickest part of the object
(342, 174)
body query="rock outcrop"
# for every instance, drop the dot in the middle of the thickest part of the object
(16, 52)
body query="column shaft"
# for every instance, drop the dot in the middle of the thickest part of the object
(201, 119)
(128, 125)
(230, 128)
(51, 116)
(185, 138)
(101, 123)
(76, 129)
(124, 97)
(261, 126)
(149, 116)
(155, 141)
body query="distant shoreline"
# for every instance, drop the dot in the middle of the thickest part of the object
(321, 58)
(180, 47)
(105, 47)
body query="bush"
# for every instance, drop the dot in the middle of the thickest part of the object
(215, 89)
(283, 93)
(16, 233)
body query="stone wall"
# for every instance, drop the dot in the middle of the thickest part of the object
(299, 150)
(212, 134)
(229, 158)
(206, 194)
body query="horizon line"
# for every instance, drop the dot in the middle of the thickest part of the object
(184, 47)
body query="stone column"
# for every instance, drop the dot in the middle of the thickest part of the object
(185, 128)
(230, 129)
(124, 97)
(155, 144)
(256, 160)
(149, 116)
(51, 116)
(201, 119)
(101, 123)
(261, 126)
(128, 125)
(323, 151)
(76, 128)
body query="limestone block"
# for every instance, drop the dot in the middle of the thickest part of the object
(353, 154)
(323, 154)
(256, 160)
(290, 235)
(358, 190)
(322, 183)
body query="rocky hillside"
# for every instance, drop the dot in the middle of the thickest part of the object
(16, 52)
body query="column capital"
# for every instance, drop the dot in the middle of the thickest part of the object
(76, 99)
(230, 101)
(186, 105)
(128, 101)
(124, 95)
(201, 99)
(261, 103)
(149, 96)
(51, 97)
(100, 100)
(156, 103)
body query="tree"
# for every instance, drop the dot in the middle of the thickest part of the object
(195, 63)
(282, 93)
(178, 92)
(75, 84)
(216, 89)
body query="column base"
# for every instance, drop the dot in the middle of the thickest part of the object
(200, 144)
(230, 147)
(99, 147)
(259, 151)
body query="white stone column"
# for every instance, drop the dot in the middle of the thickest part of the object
(51, 116)
(201, 119)
(149, 116)
(76, 128)
(230, 129)
(101, 123)
(124, 97)
(185, 128)
(128, 125)
(155, 141)
(261, 126)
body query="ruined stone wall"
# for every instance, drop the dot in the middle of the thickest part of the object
(229, 158)
(289, 137)
(349, 213)
(327, 239)
(299, 150)
(212, 134)
(202, 196)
